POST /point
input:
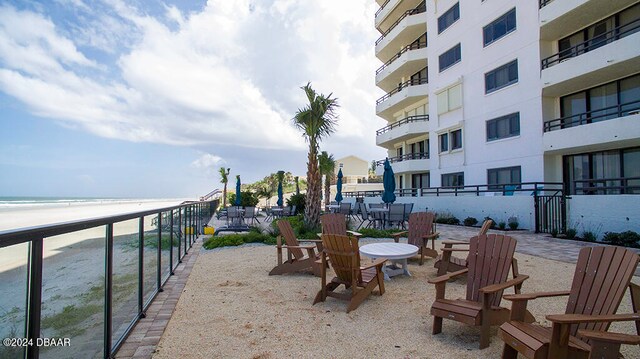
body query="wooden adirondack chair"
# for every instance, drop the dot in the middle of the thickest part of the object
(448, 263)
(599, 282)
(420, 231)
(336, 223)
(344, 255)
(490, 257)
(296, 260)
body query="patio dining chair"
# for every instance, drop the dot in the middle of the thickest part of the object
(378, 217)
(234, 216)
(396, 215)
(345, 208)
(408, 208)
(250, 214)
(365, 216)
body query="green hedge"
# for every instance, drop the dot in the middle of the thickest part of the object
(238, 239)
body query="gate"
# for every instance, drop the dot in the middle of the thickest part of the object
(550, 211)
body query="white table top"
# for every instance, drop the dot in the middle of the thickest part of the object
(378, 209)
(277, 209)
(389, 250)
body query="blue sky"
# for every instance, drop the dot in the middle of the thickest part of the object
(148, 98)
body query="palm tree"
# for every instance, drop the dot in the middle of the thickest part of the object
(224, 179)
(316, 120)
(327, 168)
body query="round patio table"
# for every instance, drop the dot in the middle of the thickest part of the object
(397, 253)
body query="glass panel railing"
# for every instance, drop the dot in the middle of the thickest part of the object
(13, 286)
(150, 257)
(126, 243)
(166, 246)
(73, 293)
(177, 245)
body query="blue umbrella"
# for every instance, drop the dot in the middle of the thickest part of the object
(389, 183)
(280, 202)
(339, 187)
(238, 190)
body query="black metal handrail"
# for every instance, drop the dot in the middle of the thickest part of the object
(412, 82)
(414, 46)
(586, 46)
(604, 185)
(603, 114)
(418, 10)
(544, 3)
(188, 215)
(404, 121)
(405, 157)
(381, 8)
(531, 188)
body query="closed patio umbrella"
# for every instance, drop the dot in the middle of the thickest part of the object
(339, 187)
(280, 202)
(389, 183)
(237, 190)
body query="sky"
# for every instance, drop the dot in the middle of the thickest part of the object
(149, 98)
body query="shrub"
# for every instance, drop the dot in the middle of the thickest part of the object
(554, 233)
(297, 200)
(238, 239)
(446, 218)
(502, 226)
(513, 225)
(247, 199)
(377, 233)
(626, 239)
(589, 236)
(470, 221)
(571, 233)
(299, 228)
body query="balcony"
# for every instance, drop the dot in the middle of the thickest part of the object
(558, 17)
(408, 61)
(392, 10)
(400, 130)
(402, 96)
(411, 162)
(611, 127)
(587, 64)
(405, 30)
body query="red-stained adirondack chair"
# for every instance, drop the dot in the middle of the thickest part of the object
(344, 254)
(448, 263)
(296, 259)
(420, 231)
(599, 283)
(490, 257)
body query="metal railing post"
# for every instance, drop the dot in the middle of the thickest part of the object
(180, 233)
(171, 243)
(34, 296)
(108, 290)
(159, 254)
(141, 312)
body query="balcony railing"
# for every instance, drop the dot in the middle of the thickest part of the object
(606, 186)
(544, 3)
(415, 46)
(404, 121)
(509, 189)
(590, 45)
(381, 8)
(406, 157)
(125, 261)
(603, 114)
(415, 11)
(406, 84)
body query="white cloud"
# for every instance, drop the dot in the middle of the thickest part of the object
(228, 75)
(207, 160)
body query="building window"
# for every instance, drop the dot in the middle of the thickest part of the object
(450, 140)
(449, 17)
(450, 57)
(453, 179)
(420, 180)
(503, 127)
(456, 139)
(503, 76)
(499, 27)
(444, 142)
(449, 99)
(605, 172)
(420, 77)
(498, 177)
(612, 100)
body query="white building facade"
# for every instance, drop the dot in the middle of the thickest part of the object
(493, 92)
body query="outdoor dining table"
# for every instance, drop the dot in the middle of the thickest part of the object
(383, 213)
(277, 212)
(397, 253)
(333, 208)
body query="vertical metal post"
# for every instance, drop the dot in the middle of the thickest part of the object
(159, 253)
(141, 313)
(180, 237)
(108, 290)
(171, 243)
(186, 232)
(192, 225)
(34, 297)
(536, 209)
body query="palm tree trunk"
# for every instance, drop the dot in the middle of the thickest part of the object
(314, 188)
(224, 196)
(327, 190)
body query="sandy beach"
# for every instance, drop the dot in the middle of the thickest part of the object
(231, 308)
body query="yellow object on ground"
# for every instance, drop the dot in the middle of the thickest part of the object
(188, 230)
(209, 230)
